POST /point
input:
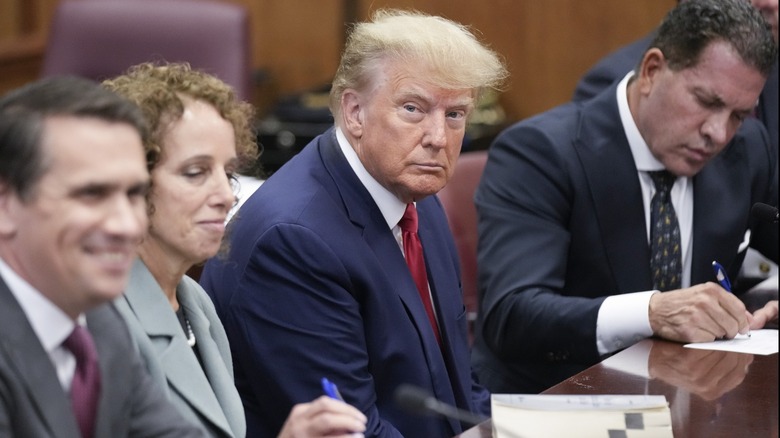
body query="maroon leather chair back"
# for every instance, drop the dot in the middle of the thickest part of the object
(457, 197)
(102, 39)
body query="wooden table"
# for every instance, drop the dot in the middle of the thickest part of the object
(710, 393)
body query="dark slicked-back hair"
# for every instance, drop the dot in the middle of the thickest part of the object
(690, 27)
(24, 110)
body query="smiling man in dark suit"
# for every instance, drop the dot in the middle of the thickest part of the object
(72, 211)
(587, 211)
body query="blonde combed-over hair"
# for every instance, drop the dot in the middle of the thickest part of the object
(453, 55)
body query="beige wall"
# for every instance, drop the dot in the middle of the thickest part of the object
(547, 44)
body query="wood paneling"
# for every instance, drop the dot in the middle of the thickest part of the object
(547, 44)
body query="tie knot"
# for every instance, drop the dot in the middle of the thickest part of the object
(663, 180)
(81, 345)
(409, 220)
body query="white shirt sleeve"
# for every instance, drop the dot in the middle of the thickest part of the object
(623, 321)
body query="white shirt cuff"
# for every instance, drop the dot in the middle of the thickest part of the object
(623, 321)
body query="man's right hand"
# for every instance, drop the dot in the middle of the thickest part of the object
(700, 313)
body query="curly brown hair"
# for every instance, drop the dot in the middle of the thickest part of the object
(160, 91)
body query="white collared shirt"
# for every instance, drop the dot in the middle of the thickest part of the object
(50, 324)
(391, 207)
(624, 319)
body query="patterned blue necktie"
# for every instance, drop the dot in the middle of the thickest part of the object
(665, 259)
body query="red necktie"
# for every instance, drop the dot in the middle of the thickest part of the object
(85, 387)
(413, 252)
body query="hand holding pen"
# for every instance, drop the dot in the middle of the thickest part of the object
(327, 416)
(699, 313)
(723, 279)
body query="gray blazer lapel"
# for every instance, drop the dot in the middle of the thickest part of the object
(163, 345)
(215, 358)
(34, 367)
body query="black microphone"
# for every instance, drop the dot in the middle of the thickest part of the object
(418, 401)
(764, 212)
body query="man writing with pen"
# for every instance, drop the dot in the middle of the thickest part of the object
(588, 211)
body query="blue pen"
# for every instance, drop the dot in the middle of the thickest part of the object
(330, 389)
(723, 279)
(720, 274)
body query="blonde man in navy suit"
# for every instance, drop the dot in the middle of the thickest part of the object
(316, 283)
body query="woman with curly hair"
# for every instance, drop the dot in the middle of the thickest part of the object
(200, 137)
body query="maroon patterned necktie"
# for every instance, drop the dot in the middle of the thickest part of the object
(413, 252)
(85, 386)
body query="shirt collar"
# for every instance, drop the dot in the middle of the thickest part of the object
(50, 324)
(391, 207)
(643, 158)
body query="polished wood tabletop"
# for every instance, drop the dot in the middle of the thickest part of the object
(710, 393)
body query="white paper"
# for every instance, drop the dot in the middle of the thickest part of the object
(583, 416)
(576, 402)
(763, 342)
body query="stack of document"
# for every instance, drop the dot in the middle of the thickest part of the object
(603, 416)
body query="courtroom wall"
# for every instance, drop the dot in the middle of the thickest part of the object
(547, 44)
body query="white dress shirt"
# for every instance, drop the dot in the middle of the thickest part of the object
(391, 207)
(50, 324)
(624, 319)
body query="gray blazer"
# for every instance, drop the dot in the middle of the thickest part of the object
(205, 395)
(33, 403)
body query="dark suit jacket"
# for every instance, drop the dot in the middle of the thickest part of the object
(767, 110)
(315, 285)
(33, 403)
(562, 226)
(614, 67)
(611, 68)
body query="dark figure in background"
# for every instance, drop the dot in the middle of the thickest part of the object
(576, 241)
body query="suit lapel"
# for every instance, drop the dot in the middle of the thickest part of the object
(214, 367)
(34, 367)
(364, 213)
(444, 282)
(100, 322)
(720, 203)
(176, 358)
(611, 175)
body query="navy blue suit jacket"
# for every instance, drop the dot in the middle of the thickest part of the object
(315, 285)
(562, 226)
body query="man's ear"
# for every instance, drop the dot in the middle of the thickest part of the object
(352, 112)
(8, 199)
(653, 64)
